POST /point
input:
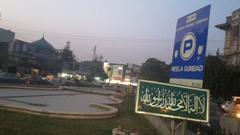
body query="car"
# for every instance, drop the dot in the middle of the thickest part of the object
(234, 110)
(225, 106)
(39, 81)
(10, 78)
(232, 107)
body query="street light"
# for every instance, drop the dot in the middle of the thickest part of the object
(238, 115)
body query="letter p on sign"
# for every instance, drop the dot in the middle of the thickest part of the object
(188, 46)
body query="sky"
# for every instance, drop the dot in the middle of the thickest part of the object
(124, 31)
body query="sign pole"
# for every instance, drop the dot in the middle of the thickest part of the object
(190, 52)
(173, 100)
(184, 127)
(172, 129)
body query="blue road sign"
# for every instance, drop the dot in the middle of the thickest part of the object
(190, 45)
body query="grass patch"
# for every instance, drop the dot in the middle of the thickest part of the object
(12, 123)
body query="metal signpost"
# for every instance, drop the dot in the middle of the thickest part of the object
(174, 101)
(190, 48)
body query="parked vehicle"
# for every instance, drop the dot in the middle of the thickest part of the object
(225, 106)
(39, 81)
(10, 78)
(234, 110)
(232, 107)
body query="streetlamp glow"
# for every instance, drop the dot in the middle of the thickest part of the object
(238, 115)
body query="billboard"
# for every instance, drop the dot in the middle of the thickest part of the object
(172, 101)
(117, 72)
(190, 48)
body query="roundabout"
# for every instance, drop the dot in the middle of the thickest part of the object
(74, 103)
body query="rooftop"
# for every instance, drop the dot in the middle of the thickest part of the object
(42, 46)
(235, 15)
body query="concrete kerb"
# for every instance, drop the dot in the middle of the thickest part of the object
(111, 95)
(116, 100)
(109, 111)
(90, 90)
(31, 87)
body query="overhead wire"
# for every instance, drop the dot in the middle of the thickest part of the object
(102, 38)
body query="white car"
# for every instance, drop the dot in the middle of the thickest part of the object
(225, 106)
(232, 107)
(235, 110)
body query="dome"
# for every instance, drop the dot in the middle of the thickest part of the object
(42, 46)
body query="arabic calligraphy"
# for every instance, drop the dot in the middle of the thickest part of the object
(172, 100)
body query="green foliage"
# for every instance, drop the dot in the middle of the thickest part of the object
(222, 79)
(67, 54)
(155, 70)
(68, 58)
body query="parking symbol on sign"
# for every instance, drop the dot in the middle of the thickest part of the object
(188, 46)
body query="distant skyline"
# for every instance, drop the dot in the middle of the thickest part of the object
(123, 30)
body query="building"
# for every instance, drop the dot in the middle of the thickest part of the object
(132, 72)
(6, 46)
(117, 72)
(20, 56)
(39, 56)
(232, 37)
(20, 47)
(7, 37)
(229, 124)
(45, 55)
(121, 73)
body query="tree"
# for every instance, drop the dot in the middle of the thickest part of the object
(215, 71)
(68, 58)
(155, 70)
(67, 54)
(222, 79)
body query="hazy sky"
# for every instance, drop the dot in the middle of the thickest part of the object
(123, 30)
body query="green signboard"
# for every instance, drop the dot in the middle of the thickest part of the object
(172, 101)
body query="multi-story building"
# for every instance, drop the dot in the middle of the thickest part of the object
(117, 72)
(121, 73)
(20, 56)
(6, 46)
(45, 55)
(132, 72)
(232, 37)
(229, 124)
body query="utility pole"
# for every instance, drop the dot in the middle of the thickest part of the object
(94, 53)
(68, 42)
